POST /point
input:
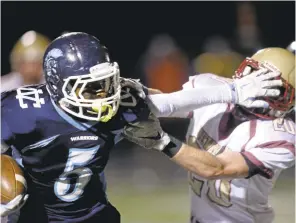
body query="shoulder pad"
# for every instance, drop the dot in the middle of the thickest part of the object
(276, 130)
(6, 96)
(24, 96)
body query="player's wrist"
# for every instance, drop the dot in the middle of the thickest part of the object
(173, 147)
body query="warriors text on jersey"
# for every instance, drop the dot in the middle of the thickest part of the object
(267, 146)
(63, 158)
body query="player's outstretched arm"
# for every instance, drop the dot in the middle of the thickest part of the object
(244, 91)
(228, 164)
(149, 134)
(277, 153)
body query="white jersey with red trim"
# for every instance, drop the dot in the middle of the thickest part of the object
(267, 146)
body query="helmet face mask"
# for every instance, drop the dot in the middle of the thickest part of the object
(93, 96)
(273, 59)
(81, 78)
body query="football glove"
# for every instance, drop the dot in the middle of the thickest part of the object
(254, 85)
(147, 133)
(134, 84)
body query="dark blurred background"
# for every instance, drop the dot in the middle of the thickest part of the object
(127, 28)
(162, 43)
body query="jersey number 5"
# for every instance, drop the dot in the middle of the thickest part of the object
(77, 159)
(218, 190)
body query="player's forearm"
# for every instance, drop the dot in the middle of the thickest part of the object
(228, 164)
(184, 101)
(181, 114)
(199, 162)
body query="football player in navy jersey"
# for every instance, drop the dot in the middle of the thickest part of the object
(64, 130)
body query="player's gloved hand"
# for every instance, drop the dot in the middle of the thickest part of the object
(134, 84)
(147, 133)
(259, 83)
(14, 205)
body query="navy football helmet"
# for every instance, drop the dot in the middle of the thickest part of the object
(80, 77)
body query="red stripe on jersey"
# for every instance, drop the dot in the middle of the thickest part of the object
(279, 144)
(253, 125)
(264, 171)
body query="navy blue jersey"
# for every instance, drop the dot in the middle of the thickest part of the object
(63, 158)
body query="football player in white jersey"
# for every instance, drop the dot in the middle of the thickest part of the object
(246, 148)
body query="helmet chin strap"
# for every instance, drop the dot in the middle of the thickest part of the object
(108, 116)
(95, 110)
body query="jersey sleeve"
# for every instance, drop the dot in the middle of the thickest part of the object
(209, 90)
(267, 158)
(161, 108)
(204, 80)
